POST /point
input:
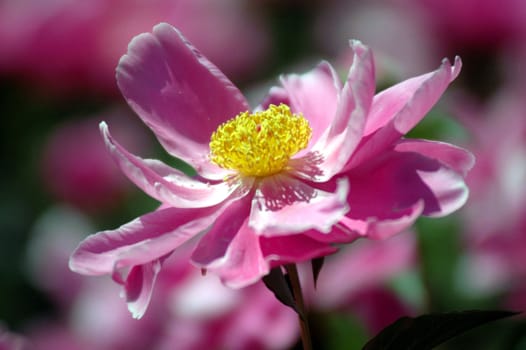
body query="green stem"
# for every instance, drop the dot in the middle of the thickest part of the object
(298, 297)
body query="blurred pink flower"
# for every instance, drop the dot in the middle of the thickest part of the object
(207, 314)
(73, 44)
(286, 198)
(474, 24)
(377, 307)
(489, 35)
(52, 238)
(495, 216)
(342, 19)
(355, 280)
(371, 264)
(53, 335)
(76, 167)
(193, 311)
(188, 309)
(11, 341)
(90, 314)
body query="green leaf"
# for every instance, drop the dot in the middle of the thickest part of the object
(427, 331)
(277, 283)
(316, 265)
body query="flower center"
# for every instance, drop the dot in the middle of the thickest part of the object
(260, 143)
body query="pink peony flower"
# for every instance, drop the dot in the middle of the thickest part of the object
(284, 196)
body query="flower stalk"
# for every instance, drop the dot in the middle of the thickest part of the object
(302, 314)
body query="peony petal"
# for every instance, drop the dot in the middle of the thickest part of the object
(398, 109)
(284, 205)
(231, 249)
(449, 189)
(243, 263)
(142, 240)
(167, 185)
(345, 131)
(456, 158)
(293, 249)
(406, 103)
(275, 96)
(383, 227)
(339, 234)
(397, 187)
(138, 287)
(179, 94)
(314, 95)
(214, 244)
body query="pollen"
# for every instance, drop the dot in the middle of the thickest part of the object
(261, 143)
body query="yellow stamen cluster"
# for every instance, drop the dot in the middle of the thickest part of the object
(261, 143)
